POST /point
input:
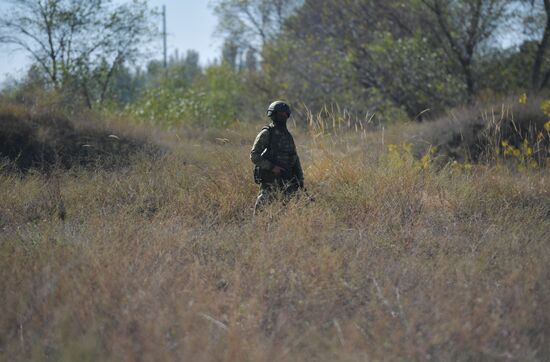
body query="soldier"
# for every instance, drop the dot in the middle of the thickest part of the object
(277, 166)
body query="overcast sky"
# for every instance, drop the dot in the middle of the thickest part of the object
(190, 24)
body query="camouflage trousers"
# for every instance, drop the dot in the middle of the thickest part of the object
(272, 191)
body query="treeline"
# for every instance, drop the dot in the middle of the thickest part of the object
(400, 59)
(404, 56)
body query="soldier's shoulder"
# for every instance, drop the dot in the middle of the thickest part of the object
(265, 129)
(263, 134)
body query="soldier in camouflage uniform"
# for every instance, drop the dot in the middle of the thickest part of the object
(277, 165)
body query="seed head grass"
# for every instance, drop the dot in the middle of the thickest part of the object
(162, 259)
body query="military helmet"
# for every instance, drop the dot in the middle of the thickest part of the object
(278, 106)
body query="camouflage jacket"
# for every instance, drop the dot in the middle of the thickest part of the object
(281, 151)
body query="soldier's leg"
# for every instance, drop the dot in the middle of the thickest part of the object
(264, 196)
(290, 189)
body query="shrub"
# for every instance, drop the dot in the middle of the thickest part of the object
(513, 131)
(46, 140)
(211, 101)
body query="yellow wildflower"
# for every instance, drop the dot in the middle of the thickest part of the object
(523, 98)
(425, 161)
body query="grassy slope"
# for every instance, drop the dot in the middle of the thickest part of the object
(162, 261)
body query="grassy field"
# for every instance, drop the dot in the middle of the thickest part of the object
(161, 259)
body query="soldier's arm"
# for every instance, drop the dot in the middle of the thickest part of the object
(260, 144)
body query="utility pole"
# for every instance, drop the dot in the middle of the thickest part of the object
(165, 63)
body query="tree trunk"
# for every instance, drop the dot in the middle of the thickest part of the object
(536, 82)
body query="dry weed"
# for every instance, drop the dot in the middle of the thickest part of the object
(162, 260)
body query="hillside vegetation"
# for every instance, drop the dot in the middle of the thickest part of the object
(46, 141)
(399, 257)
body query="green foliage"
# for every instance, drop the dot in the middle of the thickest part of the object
(252, 23)
(506, 72)
(395, 58)
(212, 99)
(386, 56)
(78, 45)
(360, 58)
(417, 73)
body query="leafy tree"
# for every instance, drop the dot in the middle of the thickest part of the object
(230, 54)
(364, 54)
(537, 25)
(526, 64)
(78, 44)
(250, 60)
(374, 54)
(252, 23)
(304, 71)
(191, 67)
(460, 28)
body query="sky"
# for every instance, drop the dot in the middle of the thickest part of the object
(190, 25)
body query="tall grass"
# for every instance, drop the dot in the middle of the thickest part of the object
(511, 131)
(162, 260)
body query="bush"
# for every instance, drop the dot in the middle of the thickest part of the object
(211, 101)
(46, 140)
(515, 130)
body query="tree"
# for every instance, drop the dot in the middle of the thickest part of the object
(367, 53)
(460, 27)
(192, 68)
(252, 23)
(250, 61)
(78, 43)
(540, 77)
(230, 53)
(374, 55)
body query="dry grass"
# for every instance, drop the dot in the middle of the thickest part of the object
(476, 133)
(45, 140)
(161, 260)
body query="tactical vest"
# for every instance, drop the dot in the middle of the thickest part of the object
(281, 149)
